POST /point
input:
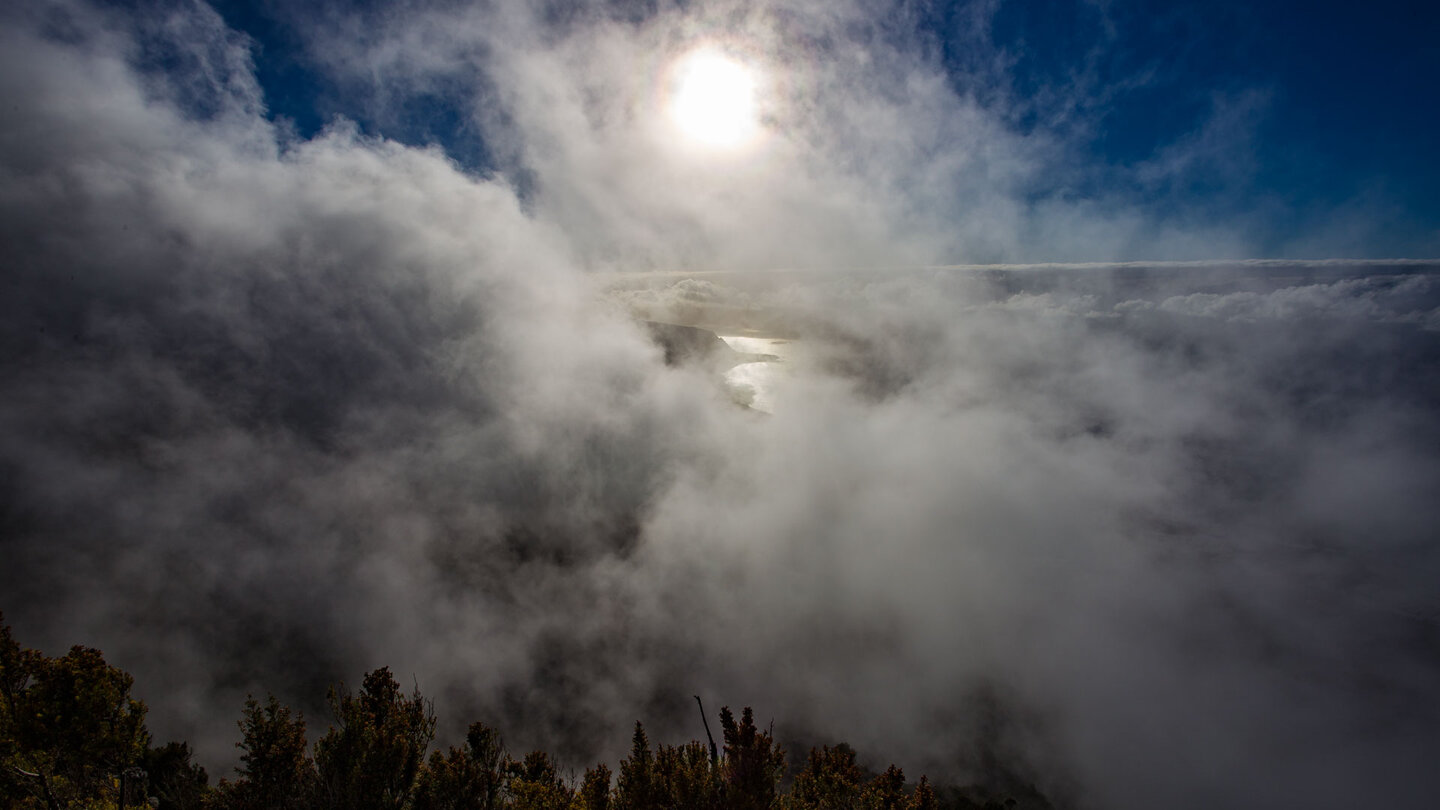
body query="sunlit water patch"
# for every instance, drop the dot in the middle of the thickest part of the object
(755, 384)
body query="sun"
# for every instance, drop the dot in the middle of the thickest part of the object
(712, 100)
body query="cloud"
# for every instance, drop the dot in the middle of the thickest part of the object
(880, 151)
(281, 410)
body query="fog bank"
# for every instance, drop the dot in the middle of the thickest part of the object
(280, 410)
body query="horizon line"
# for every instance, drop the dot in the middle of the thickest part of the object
(1163, 264)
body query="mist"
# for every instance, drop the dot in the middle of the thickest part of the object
(1155, 530)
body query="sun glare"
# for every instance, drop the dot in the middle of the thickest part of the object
(712, 100)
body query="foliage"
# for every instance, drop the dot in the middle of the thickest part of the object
(275, 771)
(687, 778)
(594, 792)
(535, 785)
(68, 727)
(924, 797)
(671, 777)
(886, 791)
(174, 780)
(371, 758)
(635, 788)
(753, 766)
(830, 780)
(471, 778)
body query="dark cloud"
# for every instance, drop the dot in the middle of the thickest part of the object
(278, 411)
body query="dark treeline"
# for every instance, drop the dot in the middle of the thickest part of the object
(72, 737)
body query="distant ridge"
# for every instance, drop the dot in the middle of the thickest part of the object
(1411, 265)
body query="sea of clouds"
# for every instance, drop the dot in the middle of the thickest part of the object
(279, 410)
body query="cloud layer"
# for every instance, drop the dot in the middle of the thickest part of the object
(281, 410)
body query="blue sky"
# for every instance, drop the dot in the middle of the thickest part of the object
(1280, 119)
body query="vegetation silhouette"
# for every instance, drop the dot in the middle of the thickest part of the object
(72, 737)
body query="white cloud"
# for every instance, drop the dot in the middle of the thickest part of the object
(281, 411)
